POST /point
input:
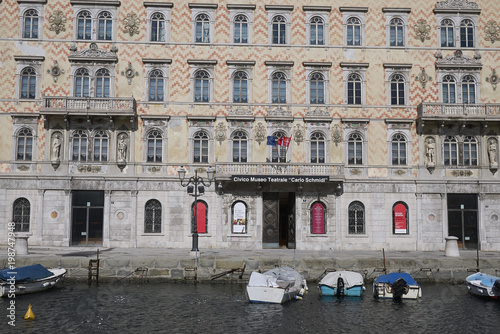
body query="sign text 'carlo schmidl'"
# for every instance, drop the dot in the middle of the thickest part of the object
(291, 179)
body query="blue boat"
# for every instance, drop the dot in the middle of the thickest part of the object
(28, 279)
(396, 286)
(342, 283)
(483, 285)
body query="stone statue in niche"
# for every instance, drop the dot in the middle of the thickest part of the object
(492, 152)
(430, 152)
(122, 148)
(56, 147)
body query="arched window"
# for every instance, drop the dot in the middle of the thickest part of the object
(84, 29)
(354, 89)
(450, 151)
(80, 144)
(316, 26)
(201, 220)
(449, 89)
(101, 146)
(158, 27)
(278, 87)
(102, 83)
(353, 31)
(156, 85)
(202, 86)
(30, 28)
(356, 218)
(397, 90)
(317, 88)
(468, 89)
(24, 145)
(279, 29)
(278, 152)
(470, 151)
(155, 144)
(21, 215)
(82, 82)
(355, 149)
(28, 83)
(240, 142)
(447, 33)
(398, 150)
(152, 216)
(396, 29)
(317, 148)
(400, 219)
(202, 28)
(200, 149)
(240, 87)
(105, 26)
(241, 29)
(239, 217)
(467, 34)
(318, 218)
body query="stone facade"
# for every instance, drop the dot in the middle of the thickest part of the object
(405, 111)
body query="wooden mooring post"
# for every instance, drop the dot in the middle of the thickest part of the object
(94, 270)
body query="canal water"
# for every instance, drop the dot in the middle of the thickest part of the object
(224, 308)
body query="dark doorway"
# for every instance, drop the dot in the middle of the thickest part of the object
(278, 220)
(462, 219)
(87, 221)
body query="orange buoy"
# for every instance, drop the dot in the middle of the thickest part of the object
(29, 314)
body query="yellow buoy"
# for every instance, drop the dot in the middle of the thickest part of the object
(29, 314)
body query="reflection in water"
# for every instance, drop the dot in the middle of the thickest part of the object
(218, 308)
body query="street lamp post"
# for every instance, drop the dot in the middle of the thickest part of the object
(196, 187)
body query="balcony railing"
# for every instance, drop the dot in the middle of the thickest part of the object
(78, 105)
(228, 169)
(473, 111)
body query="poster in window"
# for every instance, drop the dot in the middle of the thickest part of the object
(239, 218)
(400, 219)
(318, 218)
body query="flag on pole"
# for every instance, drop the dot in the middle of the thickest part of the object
(285, 141)
(280, 141)
(271, 141)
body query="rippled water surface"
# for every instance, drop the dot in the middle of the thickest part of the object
(224, 308)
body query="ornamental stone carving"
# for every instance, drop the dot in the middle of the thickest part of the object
(493, 79)
(260, 133)
(492, 152)
(220, 133)
(492, 31)
(57, 22)
(317, 112)
(458, 59)
(131, 22)
(129, 73)
(280, 112)
(298, 134)
(55, 71)
(423, 78)
(456, 4)
(93, 51)
(422, 30)
(430, 152)
(240, 111)
(336, 134)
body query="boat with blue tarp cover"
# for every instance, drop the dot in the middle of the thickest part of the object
(483, 285)
(396, 286)
(28, 279)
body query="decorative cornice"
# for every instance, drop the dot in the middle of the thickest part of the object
(454, 6)
(279, 63)
(279, 7)
(396, 65)
(238, 6)
(203, 5)
(93, 53)
(201, 62)
(240, 62)
(344, 64)
(95, 3)
(156, 61)
(29, 58)
(354, 9)
(159, 4)
(317, 8)
(458, 60)
(396, 10)
(317, 64)
(31, 1)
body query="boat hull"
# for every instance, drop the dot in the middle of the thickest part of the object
(483, 285)
(22, 288)
(355, 291)
(276, 286)
(270, 295)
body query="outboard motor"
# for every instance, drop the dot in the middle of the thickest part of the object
(399, 288)
(496, 286)
(340, 287)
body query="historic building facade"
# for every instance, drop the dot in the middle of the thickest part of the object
(342, 125)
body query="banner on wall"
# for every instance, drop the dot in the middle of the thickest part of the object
(400, 219)
(318, 219)
(239, 218)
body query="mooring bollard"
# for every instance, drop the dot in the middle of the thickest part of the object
(21, 245)
(451, 249)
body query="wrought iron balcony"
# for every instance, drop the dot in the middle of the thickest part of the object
(112, 106)
(226, 170)
(455, 111)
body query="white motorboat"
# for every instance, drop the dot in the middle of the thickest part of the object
(276, 286)
(342, 283)
(396, 286)
(28, 279)
(483, 285)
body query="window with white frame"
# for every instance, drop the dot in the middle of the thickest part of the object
(317, 24)
(398, 149)
(467, 33)
(459, 87)
(457, 29)
(448, 88)
(460, 151)
(95, 21)
(102, 83)
(28, 76)
(398, 142)
(317, 80)
(468, 89)
(397, 83)
(156, 74)
(279, 81)
(239, 141)
(200, 147)
(101, 146)
(317, 148)
(355, 149)
(158, 21)
(450, 151)
(353, 23)
(240, 87)
(240, 28)
(354, 83)
(31, 19)
(279, 89)
(447, 33)
(279, 22)
(201, 133)
(240, 80)
(154, 146)
(241, 23)
(24, 147)
(93, 81)
(317, 88)
(79, 144)
(203, 22)
(396, 22)
(202, 80)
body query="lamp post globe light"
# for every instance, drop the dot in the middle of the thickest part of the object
(195, 187)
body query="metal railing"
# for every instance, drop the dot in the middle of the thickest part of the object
(461, 110)
(228, 169)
